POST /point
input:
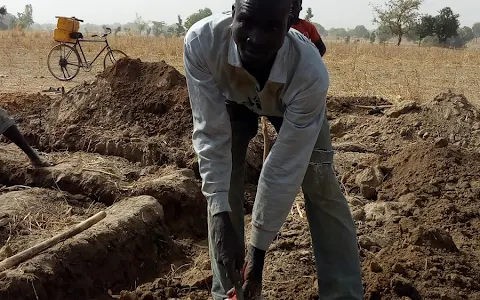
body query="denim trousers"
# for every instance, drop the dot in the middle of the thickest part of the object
(332, 228)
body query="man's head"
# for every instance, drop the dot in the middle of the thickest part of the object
(259, 28)
(296, 9)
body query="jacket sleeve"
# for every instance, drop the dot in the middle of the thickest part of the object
(286, 165)
(211, 127)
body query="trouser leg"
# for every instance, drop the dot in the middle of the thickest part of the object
(332, 227)
(331, 224)
(244, 127)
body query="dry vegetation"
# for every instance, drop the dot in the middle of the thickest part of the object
(355, 69)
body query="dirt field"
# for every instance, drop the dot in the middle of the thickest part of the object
(121, 143)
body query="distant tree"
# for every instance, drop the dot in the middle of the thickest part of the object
(383, 34)
(446, 25)
(117, 30)
(3, 12)
(309, 14)
(140, 23)
(360, 31)
(476, 30)
(180, 29)
(398, 16)
(425, 27)
(338, 32)
(25, 20)
(463, 37)
(373, 37)
(195, 17)
(158, 27)
(321, 30)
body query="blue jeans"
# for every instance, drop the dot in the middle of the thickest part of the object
(331, 224)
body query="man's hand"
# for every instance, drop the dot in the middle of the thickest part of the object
(228, 250)
(252, 274)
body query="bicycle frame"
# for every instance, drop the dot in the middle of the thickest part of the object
(87, 63)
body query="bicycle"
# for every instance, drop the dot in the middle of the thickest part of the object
(76, 38)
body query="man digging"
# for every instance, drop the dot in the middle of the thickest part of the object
(11, 132)
(239, 68)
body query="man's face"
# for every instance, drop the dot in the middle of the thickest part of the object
(259, 28)
(296, 9)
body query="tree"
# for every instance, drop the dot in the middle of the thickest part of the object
(158, 28)
(360, 31)
(463, 37)
(373, 37)
(25, 20)
(321, 30)
(383, 34)
(180, 29)
(338, 32)
(476, 30)
(446, 25)
(398, 16)
(140, 23)
(309, 14)
(426, 27)
(3, 10)
(117, 30)
(195, 17)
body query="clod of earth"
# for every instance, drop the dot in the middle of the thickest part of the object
(401, 108)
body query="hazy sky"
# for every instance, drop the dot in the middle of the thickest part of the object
(328, 13)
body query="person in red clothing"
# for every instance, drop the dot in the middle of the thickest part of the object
(306, 27)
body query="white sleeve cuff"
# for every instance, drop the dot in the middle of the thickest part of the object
(260, 238)
(218, 203)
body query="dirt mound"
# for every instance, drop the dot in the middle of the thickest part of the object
(431, 170)
(418, 239)
(413, 184)
(134, 109)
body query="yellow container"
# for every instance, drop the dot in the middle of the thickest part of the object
(60, 35)
(68, 24)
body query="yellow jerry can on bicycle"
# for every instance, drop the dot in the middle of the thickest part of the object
(65, 27)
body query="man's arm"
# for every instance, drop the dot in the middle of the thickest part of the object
(285, 167)
(317, 39)
(321, 46)
(211, 127)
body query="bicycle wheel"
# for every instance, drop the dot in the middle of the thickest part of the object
(64, 59)
(112, 57)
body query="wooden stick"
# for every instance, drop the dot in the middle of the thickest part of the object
(266, 139)
(31, 252)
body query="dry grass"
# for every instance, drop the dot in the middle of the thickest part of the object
(33, 215)
(355, 69)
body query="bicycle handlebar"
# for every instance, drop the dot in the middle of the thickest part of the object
(105, 34)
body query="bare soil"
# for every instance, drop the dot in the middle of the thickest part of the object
(410, 172)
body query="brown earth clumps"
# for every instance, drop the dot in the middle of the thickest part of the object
(410, 172)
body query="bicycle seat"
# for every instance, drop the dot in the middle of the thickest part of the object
(76, 35)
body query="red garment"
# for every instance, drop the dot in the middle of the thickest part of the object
(308, 29)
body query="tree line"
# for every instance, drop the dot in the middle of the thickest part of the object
(21, 20)
(401, 19)
(398, 19)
